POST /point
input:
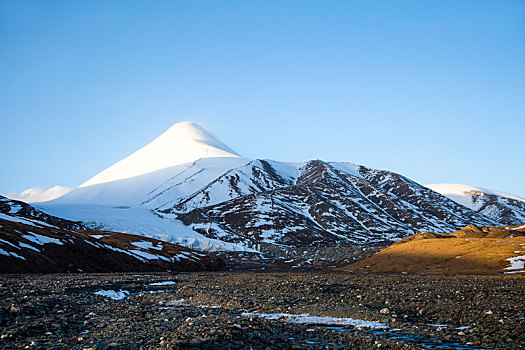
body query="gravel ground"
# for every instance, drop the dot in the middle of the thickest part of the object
(204, 310)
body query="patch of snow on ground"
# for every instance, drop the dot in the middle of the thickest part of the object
(348, 168)
(179, 302)
(15, 208)
(165, 283)
(113, 294)
(147, 245)
(8, 243)
(23, 245)
(147, 255)
(321, 320)
(41, 240)
(14, 255)
(34, 223)
(517, 264)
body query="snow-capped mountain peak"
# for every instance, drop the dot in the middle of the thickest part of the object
(502, 207)
(462, 193)
(182, 143)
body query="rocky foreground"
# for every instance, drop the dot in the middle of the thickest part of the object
(219, 310)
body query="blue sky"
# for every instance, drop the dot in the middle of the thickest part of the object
(434, 90)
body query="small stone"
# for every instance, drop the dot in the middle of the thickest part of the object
(14, 309)
(384, 311)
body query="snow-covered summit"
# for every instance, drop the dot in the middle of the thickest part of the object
(502, 207)
(184, 142)
(463, 193)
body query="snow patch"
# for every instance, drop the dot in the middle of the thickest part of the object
(165, 283)
(147, 255)
(147, 245)
(34, 223)
(517, 264)
(179, 302)
(14, 255)
(113, 294)
(320, 320)
(41, 240)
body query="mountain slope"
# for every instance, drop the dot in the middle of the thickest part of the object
(139, 221)
(471, 250)
(505, 208)
(31, 241)
(326, 204)
(14, 208)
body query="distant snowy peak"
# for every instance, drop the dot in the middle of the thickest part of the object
(182, 143)
(505, 208)
(465, 190)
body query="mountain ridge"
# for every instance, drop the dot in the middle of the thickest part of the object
(236, 203)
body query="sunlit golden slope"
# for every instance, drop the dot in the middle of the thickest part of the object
(471, 250)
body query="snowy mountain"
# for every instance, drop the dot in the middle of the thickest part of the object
(505, 208)
(321, 204)
(189, 188)
(32, 241)
(182, 143)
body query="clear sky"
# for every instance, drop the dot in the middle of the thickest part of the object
(434, 90)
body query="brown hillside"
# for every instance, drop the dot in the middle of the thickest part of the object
(36, 247)
(471, 250)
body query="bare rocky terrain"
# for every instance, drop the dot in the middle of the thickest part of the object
(208, 311)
